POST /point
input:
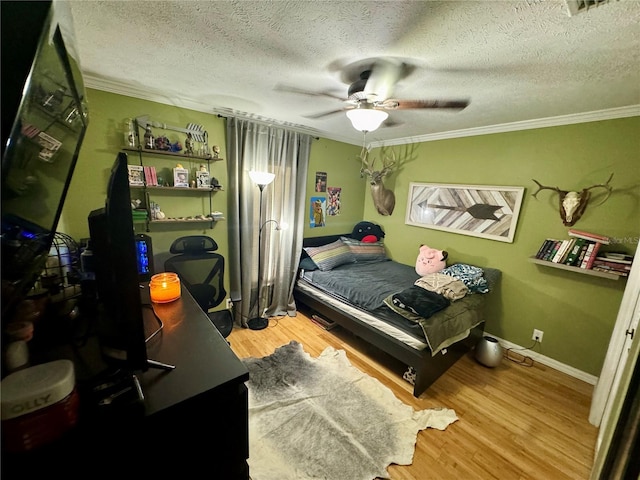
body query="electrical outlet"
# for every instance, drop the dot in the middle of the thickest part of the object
(537, 335)
(229, 304)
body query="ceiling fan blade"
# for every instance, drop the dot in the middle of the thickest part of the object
(325, 114)
(394, 104)
(290, 89)
(382, 79)
(390, 122)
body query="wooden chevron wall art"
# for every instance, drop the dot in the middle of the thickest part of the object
(478, 210)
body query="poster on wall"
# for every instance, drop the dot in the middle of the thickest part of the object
(318, 212)
(476, 210)
(333, 204)
(321, 181)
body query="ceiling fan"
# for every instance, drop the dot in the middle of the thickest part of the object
(369, 97)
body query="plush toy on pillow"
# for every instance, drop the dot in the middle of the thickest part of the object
(430, 260)
(367, 232)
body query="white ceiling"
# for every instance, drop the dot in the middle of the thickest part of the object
(518, 62)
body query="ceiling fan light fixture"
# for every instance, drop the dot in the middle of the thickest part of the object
(366, 119)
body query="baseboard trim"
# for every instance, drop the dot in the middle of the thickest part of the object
(549, 362)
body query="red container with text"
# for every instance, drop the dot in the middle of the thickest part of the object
(39, 405)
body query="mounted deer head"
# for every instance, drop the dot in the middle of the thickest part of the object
(383, 199)
(573, 204)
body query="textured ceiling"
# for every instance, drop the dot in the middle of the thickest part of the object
(516, 61)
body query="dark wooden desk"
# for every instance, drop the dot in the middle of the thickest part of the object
(195, 417)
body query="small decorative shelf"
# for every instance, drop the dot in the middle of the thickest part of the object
(193, 220)
(561, 266)
(176, 189)
(168, 153)
(199, 137)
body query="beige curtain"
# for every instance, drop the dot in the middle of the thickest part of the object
(259, 146)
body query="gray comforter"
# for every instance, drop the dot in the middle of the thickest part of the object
(367, 285)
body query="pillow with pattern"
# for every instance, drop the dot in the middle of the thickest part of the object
(330, 256)
(307, 264)
(369, 252)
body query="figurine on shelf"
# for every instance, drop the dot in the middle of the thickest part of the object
(130, 133)
(216, 151)
(148, 138)
(203, 177)
(188, 144)
(163, 143)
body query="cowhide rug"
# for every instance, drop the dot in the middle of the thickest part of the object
(324, 419)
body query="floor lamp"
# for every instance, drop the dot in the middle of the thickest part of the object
(262, 179)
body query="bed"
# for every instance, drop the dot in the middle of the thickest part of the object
(357, 286)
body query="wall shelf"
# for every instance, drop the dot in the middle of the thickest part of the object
(193, 220)
(168, 153)
(175, 189)
(148, 191)
(584, 271)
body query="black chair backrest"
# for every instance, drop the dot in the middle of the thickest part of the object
(201, 270)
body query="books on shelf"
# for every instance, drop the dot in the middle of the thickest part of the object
(150, 176)
(582, 252)
(578, 249)
(594, 237)
(619, 269)
(542, 248)
(618, 257)
(564, 249)
(590, 257)
(553, 250)
(608, 263)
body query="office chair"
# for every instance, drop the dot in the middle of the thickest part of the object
(202, 273)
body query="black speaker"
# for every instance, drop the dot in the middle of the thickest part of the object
(144, 255)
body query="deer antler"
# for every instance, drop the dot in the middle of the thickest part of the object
(542, 187)
(364, 157)
(606, 185)
(387, 163)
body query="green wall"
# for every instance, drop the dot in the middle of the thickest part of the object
(576, 312)
(339, 162)
(104, 140)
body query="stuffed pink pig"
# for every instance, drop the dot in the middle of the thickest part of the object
(430, 260)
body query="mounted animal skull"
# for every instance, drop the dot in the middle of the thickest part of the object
(573, 203)
(383, 199)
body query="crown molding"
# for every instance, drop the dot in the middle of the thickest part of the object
(609, 114)
(112, 86)
(142, 93)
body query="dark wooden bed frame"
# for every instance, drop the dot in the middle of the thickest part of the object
(427, 367)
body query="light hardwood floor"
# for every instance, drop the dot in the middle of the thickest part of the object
(515, 422)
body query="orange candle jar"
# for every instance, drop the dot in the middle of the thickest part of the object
(164, 287)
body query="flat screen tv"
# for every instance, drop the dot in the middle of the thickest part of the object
(121, 331)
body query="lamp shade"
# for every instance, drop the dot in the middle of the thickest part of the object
(261, 178)
(366, 119)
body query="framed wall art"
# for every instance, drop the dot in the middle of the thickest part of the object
(481, 211)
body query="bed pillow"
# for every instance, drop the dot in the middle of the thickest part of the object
(369, 252)
(330, 256)
(307, 264)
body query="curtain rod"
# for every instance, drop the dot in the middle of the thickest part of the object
(271, 122)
